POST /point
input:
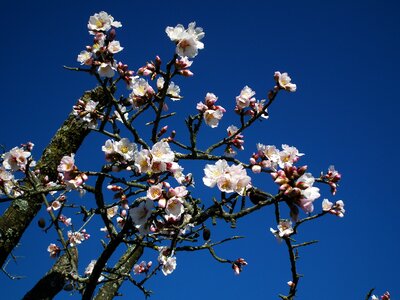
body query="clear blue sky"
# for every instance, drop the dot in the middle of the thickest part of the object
(344, 58)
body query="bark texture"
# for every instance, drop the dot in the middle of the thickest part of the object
(54, 280)
(124, 266)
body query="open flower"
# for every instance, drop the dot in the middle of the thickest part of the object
(187, 40)
(228, 178)
(141, 213)
(102, 21)
(284, 81)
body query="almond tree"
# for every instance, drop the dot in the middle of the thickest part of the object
(145, 199)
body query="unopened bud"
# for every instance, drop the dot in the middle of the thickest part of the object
(256, 169)
(206, 234)
(42, 223)
(186, 73)
(112, 34)
(158, 61)
(302, 170)
(162, 131)
(281, 180)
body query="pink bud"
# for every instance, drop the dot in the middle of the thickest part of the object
(302, 170)
(252, 161)
(111, 34)
(186, 73)
(158, 61)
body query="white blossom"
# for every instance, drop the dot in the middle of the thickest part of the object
(106, 70)
(169, 266)
(161, 152)
(67, 163)
(102, 21)
(143, 161)
(84, 57)
(114, 47)
(288, 156)
(126, 149)
(141, 213)
(154, 192)
(212, 117)
(112, 211)
(16, 159)
(228, 178)
(284, 229)
(284, 81)
(173, 90)
(140, 87)
(187, 40)
(245, 97)
(174, 208)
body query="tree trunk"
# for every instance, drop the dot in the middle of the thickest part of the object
(54, 280)
(21, 212)
(124, 265)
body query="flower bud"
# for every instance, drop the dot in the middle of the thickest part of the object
(158, 61)
(206, 234)
(256, 169)
(42, 223)
(112, 34)
(302, 170)
(186, 73)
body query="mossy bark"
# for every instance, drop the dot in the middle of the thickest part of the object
(21, 212)
(124, 266)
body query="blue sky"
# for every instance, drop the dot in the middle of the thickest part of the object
(343, 56)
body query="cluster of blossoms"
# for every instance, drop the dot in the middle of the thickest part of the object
(69, 173)
(246, 103)
(268, 156)
(284, 229)
(167, 260)
(18, 158)
(158, 159)
(53, 250)
(142, 91)
(8, 184)
(141, 268)
(297, 185)
(181, 67)
(212, 113)
(385, 296)
(238, 265)
(236, 142)
(332, 177)
(187, 40)
(77, 237)
(87, 113)
(336, 209)
(120, 151)
(171, 202)
(100, 56)
(228, 178)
